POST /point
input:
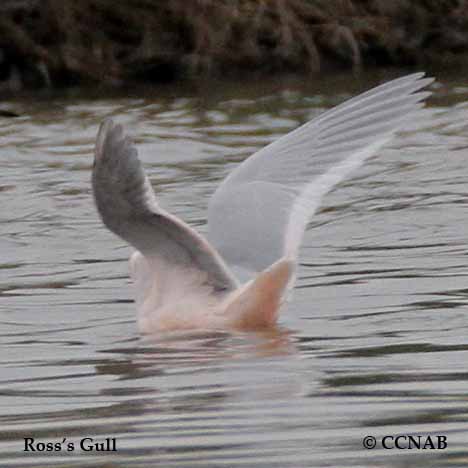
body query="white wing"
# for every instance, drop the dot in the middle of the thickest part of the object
(260, 211)
(128, 207)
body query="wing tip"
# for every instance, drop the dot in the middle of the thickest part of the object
(420, 93)
(103, 131)
(106, 128)
(424, 81)
(412, 84)
(421, 82)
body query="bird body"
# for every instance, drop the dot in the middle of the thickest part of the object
(238, 277)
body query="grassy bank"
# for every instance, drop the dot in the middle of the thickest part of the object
(68, 42)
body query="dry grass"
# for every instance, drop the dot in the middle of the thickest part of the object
(63, 42)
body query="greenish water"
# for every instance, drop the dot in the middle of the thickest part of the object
(373, 341)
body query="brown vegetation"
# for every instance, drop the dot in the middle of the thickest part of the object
(63, 42)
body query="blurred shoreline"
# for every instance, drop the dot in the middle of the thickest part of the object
(64, 43)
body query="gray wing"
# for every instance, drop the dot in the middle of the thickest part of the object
(128, 207)
(260, 211)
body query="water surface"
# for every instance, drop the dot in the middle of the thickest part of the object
(373, 341)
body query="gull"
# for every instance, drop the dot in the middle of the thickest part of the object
(239, 275)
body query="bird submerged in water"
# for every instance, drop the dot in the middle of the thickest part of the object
(239, 275)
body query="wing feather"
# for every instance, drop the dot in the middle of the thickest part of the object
(260, 211)
(128, 207)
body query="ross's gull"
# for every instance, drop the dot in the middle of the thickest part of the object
(240, 274)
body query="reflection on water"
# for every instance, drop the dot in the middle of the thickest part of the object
(373, 342)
